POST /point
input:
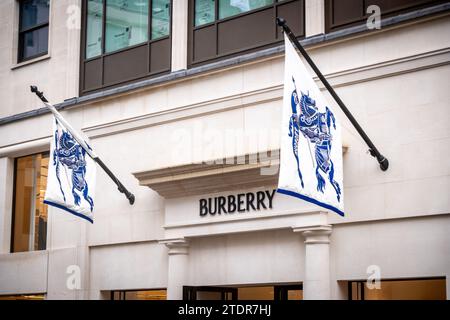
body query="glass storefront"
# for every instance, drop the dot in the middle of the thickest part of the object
(414, 289)
(23, 297)
(266, 292)
(29, 225)
(139, 295)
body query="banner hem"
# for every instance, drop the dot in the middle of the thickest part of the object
(68, 210)
(308, 199)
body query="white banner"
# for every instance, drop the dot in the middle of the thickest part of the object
(311, 145)
(71, 175)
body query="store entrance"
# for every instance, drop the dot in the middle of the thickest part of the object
(271, 292)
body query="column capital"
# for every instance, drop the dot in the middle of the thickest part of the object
(315, 234)
(176, 245)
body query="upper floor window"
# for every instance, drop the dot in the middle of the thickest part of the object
(33, 28)
(222, 28)
(124, 40)
(346, 13)
(29, 223)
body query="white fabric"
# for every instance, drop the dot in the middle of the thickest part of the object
(71, 175)
(312, 132)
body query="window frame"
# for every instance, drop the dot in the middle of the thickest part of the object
(331, 25)
(192, 28)
(21, 33)
(13, 207)
(103, 55)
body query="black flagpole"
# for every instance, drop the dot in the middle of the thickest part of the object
(119, 184)
(384, 163)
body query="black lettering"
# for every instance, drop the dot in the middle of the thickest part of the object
(222, 201)
(250, 198)
(231, 204)
(260, 195)
(240, 197)
(270, 195)
(203, 208)
(211, 206)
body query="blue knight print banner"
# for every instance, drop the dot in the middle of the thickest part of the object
(71, 175)
(311, 146)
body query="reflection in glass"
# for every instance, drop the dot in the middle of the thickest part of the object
(24, 297)
(160, 18)
(34, 42)
(228, 8)
(295, 294)
(30, 212)
(126, 23)
(256, 293)
(33, 29)
(432, 289)
(33, 13)
(204, 12)
(94, 28)
(139, 295)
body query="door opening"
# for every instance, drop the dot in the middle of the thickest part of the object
(274, 292)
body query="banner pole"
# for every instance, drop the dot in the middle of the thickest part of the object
(94, 156)
(383, 162)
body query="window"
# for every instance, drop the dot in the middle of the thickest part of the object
(33, 29)
(223, 28)
(94, 28)
(411, 289)
(126, 23)
(124, 40)
(24, 297)
(139, 295)
(229, 8)
(277, 292)
(205, 12)
(160, 18)
(29, 224)
(345, 13)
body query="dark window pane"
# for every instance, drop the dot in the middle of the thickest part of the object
(126, 23)
(160, 18)
(94, 28)
(34, 42)
(204, 12)
(33, 12)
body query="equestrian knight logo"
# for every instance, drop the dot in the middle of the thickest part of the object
(69, 154)
(316, 128)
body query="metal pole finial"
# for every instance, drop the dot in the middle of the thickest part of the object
(281, 22)
(40, 94)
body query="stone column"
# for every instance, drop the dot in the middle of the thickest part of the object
(179, 34)
(177, 267)
(314, 17)
(317, 262)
